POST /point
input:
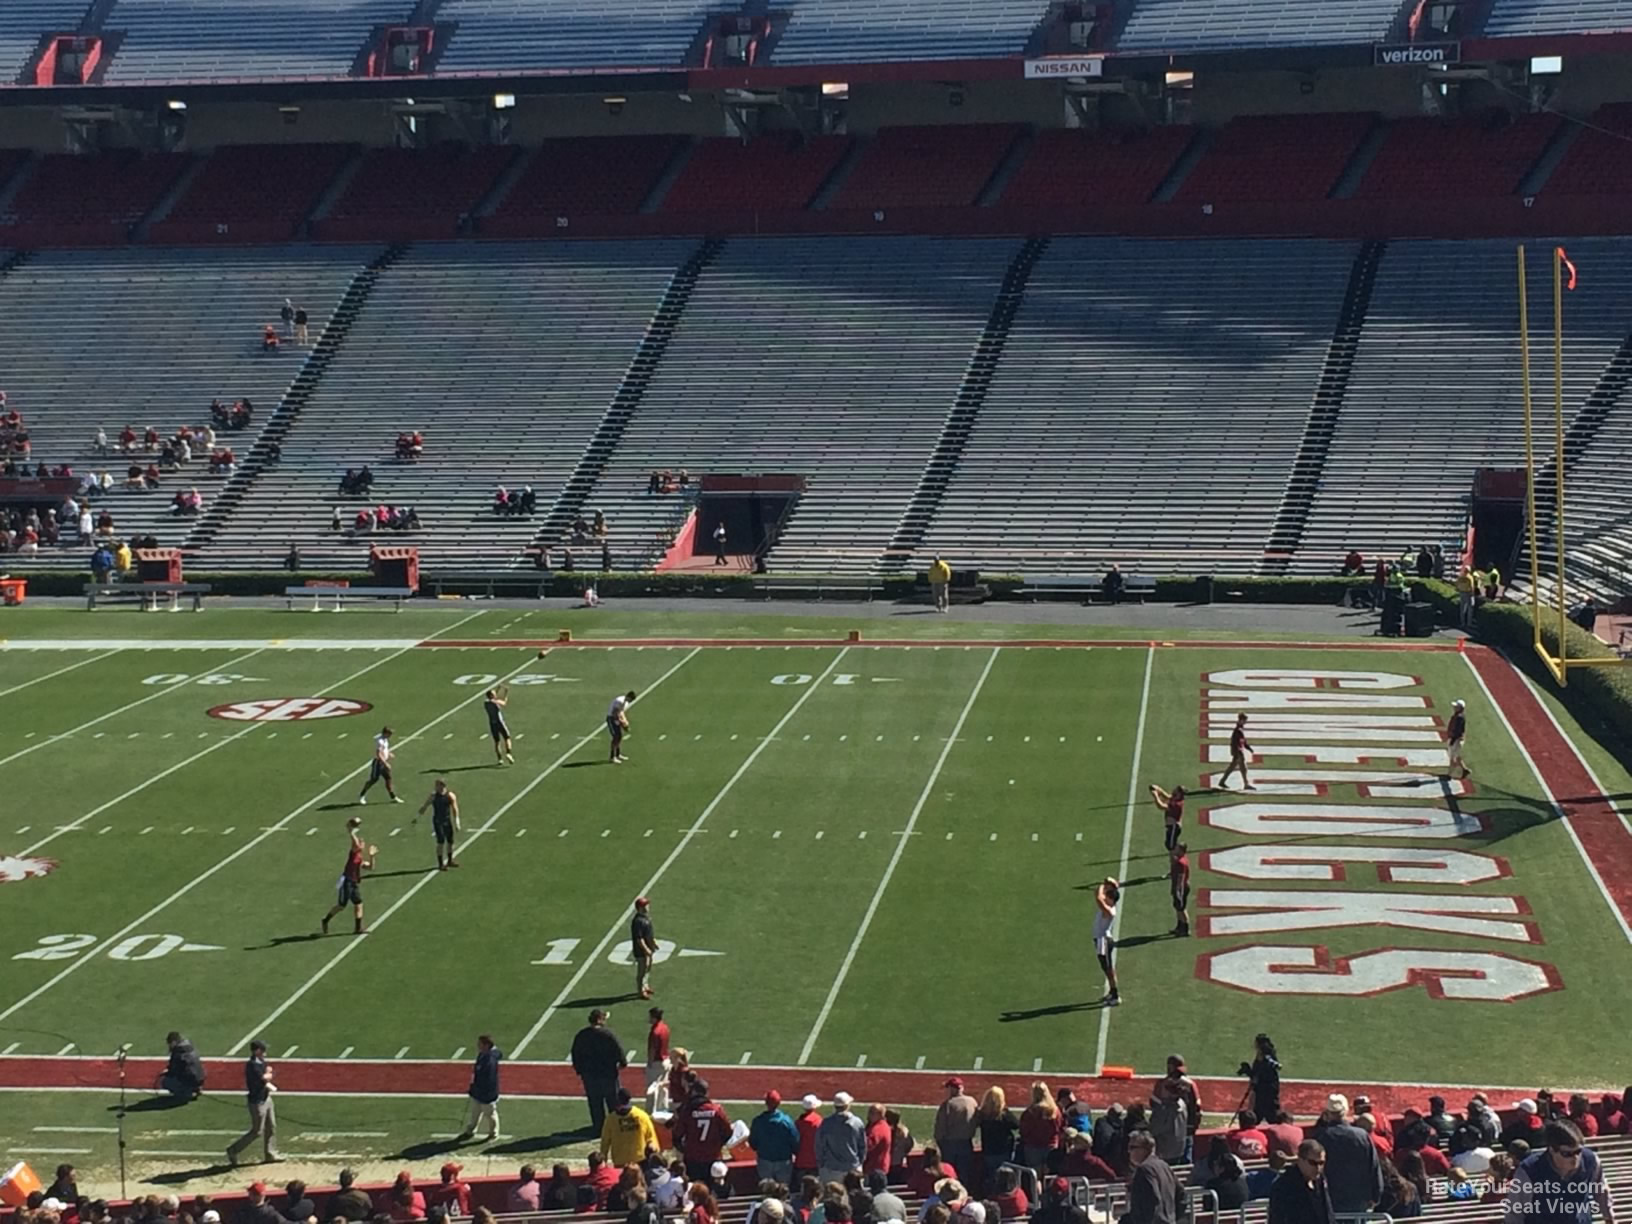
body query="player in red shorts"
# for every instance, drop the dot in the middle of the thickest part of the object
(1239, 748)
(1172, 805)
(358, 860)
(1178, 883)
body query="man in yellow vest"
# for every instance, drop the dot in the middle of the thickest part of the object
(1467, 587)
(940, 580)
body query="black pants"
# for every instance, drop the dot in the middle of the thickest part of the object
(601, 1092)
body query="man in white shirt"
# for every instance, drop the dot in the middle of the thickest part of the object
(617, 722)
(379, 769)
(1106, 897)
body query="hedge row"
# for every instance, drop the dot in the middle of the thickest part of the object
(1600, 698)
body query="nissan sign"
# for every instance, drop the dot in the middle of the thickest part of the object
(1399, 55)
(1065, 66)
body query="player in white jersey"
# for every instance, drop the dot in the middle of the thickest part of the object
(617, 722)
(379, 769)
(1106, 897)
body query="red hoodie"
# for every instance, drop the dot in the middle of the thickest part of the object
(702, 1128)
(878, 1147)
(808, 1123)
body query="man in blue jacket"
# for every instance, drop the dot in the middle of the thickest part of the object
(484, 1091)
(775, 1140)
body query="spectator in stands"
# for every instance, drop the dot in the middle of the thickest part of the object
(501, 501)
(291, 559)
(1041, 1125)
(286, 312)
(654, 483)
(1439, 562)
(1425, 562)
(1283, 1134)
(719, 543)
(1400, 1198)
(529, 500)
(101, 563)
(242, 413)
(1057, 1207)
(1154, 1194)
(151, 476)
(187, 503)
(877, 1136)
(124, 560)
(1526, 1124)
(606, 558)
(350, 1203)
(269, 339)
(104, 524)
(1300, 1194)
(1441, 1122)
(599, 528)
(1011, 1200)
(218, 413)
(297, 1207)
(1580, 1112)
(1380, 1139)
(1113, 584)
(1585, 615)
(1480, 1114)
(1353, 1170)
(1560, 1183)
(300, 325)
(85, 525)
(150, 439)
(841, 1141)
(524, 1195)
(1247, 1140)
(1353, 564)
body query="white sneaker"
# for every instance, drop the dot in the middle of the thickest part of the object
(396, 798)
(362, 798)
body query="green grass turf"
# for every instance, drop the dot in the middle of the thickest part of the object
(767, 852)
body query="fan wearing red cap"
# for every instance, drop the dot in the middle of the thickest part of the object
(403, 1202)
(452, 1193)
(955, 1127)
(775, 1140)
(257, 1209)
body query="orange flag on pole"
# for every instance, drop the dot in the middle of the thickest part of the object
(1568, 267)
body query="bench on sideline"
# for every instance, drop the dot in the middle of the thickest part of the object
(342, 594)
(1090, 587)
(767, 585)
(147, 593)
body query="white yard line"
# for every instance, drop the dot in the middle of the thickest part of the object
(1127, 841)
(895, 860)
(219, 744)
(1558, 811)
(17, 688)
(162, 691)
(343, 780)
(590, 961)
(353, 944)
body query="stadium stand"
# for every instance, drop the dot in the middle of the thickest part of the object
(926, 167)
(88, 199)
(1184, 25)
(1599, 159)
(166, 41)
(503, 355)
(24, 22)
(869, 31)
(414, 193)
(1111, 383)
(251, 193)
(1426, 158)
(96, 340)
(778, 171)
(1259, 158)
(589, 175)
(493, 35)
(835, 359)
(1434, 391)
(1073, 168)
(1512, 18)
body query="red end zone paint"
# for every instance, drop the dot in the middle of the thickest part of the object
(732, 1083)
(949, 643)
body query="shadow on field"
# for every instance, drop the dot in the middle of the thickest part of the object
(180, 1177)
(153, 1104)
(602, 1000)
(429, 1150)
(278, 941)
(1053, 1009)
(585, 764)
(460, 768)
(535, 1143)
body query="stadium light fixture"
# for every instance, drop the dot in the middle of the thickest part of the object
(1180, 80)
(614, 104)
(503, 101)
(176, 104)
(835, 89)
(1546, 65)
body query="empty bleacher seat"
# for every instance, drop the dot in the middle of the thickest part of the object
(252, 192)
(1068, 168)
(505, 356)
(493, 35)
(168, 41)
(149, 337)
(1513, 18)
(926, 167)
(589, 175)
(1148, 407)
(1219, 25)
(1427, 158)
(865, 31)
(1267, 158)
(92, 198)
(24, 22)
(1599, 159)
(1435, 390)
(415, 192)
(831, 358)
(780, 170)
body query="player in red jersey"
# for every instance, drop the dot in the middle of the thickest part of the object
(1239, 748)
(1172, 805)
(359, 858)
(700, 1130)
(1178, 883)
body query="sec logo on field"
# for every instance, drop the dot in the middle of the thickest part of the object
(14, 869)
(289, 709)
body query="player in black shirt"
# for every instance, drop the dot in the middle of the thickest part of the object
(1455, 732)
(494, 705)
(642, 945)
(444, 805)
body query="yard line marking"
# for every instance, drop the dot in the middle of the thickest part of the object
(192, 1134)
(76, 1130)
(289, 1052)
(746, 1055)
(182, 764)
(430, 875)
(645, 890)
(311, 830)
(344, 779)
(521, 832)
(895, 860)
(308, 735)
(980, 1061)
(648, 833)
(861, 1060)
(820, 833)
(48, 1151)
(65, 1049)
(862, 836)
(1552, 799)
(228, 830)
(104, 829)
(1127, 839)
(395, 831)
(342, 1135)
(606, 832)
(158, 1152)
(346, 1053)
(777, 835)
(563, 833)
(145, 831)
(17, 688)
(133, 735)
(24, 829)
(459, 1053)
(186, 831)
(919, 1065)
(1036, 1065)
(11, 1047)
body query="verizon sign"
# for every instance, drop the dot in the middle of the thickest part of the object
(1065, 66)
(1397, 55)
(289, 709)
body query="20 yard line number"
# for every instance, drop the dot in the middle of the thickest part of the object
(132, 948)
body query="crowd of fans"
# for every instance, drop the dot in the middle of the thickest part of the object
(522, 502)
(667, 481)
(410, 446)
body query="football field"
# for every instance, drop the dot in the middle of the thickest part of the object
(869, 862)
